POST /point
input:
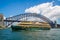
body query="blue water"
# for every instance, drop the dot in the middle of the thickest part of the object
(8, 34)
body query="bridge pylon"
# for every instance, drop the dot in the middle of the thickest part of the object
(1, 21)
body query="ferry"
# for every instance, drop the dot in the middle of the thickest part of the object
(30, 25)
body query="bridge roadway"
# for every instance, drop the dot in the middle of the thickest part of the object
(12, 21)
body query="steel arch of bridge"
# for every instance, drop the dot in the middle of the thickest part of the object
(17, 17)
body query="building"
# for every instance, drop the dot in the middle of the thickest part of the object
(1, 21)
(58, 25)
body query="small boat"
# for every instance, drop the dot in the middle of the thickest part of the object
(30, 25)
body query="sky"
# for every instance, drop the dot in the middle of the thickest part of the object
(14, 7)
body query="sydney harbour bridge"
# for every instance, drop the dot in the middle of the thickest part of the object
(10, 20)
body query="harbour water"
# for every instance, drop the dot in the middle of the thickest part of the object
(8, 34)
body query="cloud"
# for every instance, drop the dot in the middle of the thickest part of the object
(4, 17)
(11, 15)
(46, 9)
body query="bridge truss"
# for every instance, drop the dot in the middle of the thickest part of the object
(11, 20)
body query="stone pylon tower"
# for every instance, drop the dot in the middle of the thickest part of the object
(1, 21)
